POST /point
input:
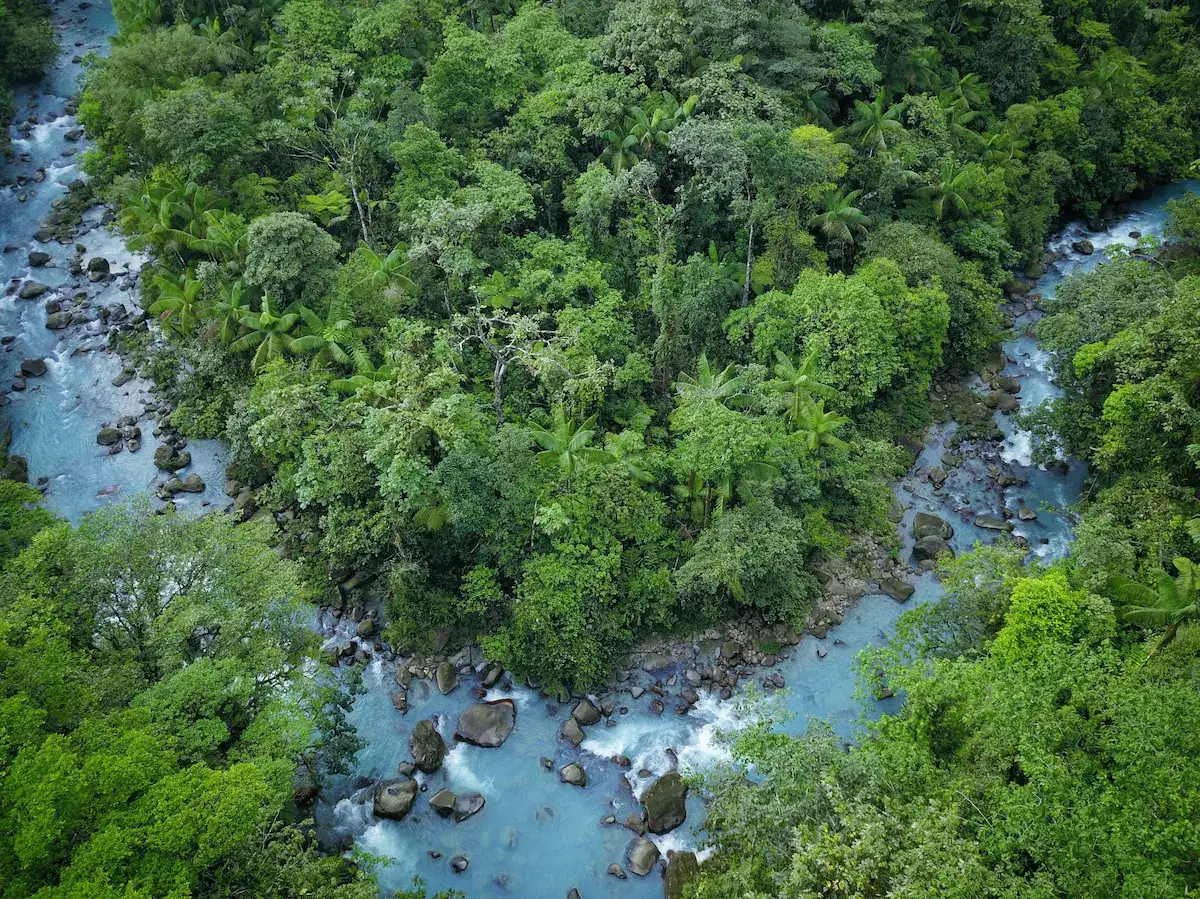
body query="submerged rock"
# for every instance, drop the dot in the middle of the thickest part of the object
(394, 798)
(487, 724)
(665, 803)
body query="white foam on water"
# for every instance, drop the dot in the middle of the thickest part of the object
(1018, 448)
(458, 768)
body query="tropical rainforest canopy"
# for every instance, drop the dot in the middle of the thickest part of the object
(585, 320)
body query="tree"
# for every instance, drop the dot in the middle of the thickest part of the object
(841, 220)
(875, 123)
(817, 426)
(267, 333)
(334, 340)
(565, 443)
(801, 382)
(1171, 607)
(178, 303)
(951, 189)
(722, 386)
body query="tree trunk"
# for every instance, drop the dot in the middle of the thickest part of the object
(749, 265)
(498, 389)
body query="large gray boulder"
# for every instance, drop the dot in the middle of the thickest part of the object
(665, 803)
(641, 856)
(467, 805)
(927, 549)
(574, 775)
(427, 747)
(992, 523)
(927, 525)
(447, 678)
(572, 732)
(897, 589)
(487, 724)
(31, 290)
(443, 803)
(394, 798)
(586, 713)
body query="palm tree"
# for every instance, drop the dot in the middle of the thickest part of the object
(627, 451)
(267, 333)
(1172, 607)
(841, 220)
(968, 88)
(336, 339)
(951, 192)
(226, 237)
(232, 305)
(921, 71)
(388, 273)
(620, 149)
(565, 443)
(178, 303)
(875, 122)
(817, 426)
(801, 382)
(709, 383)
(816, 106)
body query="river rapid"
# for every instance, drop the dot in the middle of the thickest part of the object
(536, 836)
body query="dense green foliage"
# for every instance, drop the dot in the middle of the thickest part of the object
(1125, 344)
(1047, 742)
(26, 46)
(1037, 754)
(589, 318)
(154, 712)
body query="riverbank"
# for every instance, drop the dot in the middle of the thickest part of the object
(88, 428)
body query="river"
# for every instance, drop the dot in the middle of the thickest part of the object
(536, 836)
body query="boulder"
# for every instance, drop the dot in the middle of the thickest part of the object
(896, 588)
(486, 724)
(459, 863)
(97, 268)
(37, 258)
(124, 377)
(31, 290)
(927, 525)
(1005, 402)
(572, 732)
(193, 483)
(447, 678)
(574, 775)
(937, 477)
(427, 747)
(442, 802)
(394, 798)
(929, 548)
(15, 469)
(365, 628)
(665, 803)
(682, 869)
(586, 713)
(992, 523)
(466, 805)
(1026, 514)
(617, 871)
(1083, 247)
(108, 437)
(641, 856)
(33, 368)
(167, 458)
